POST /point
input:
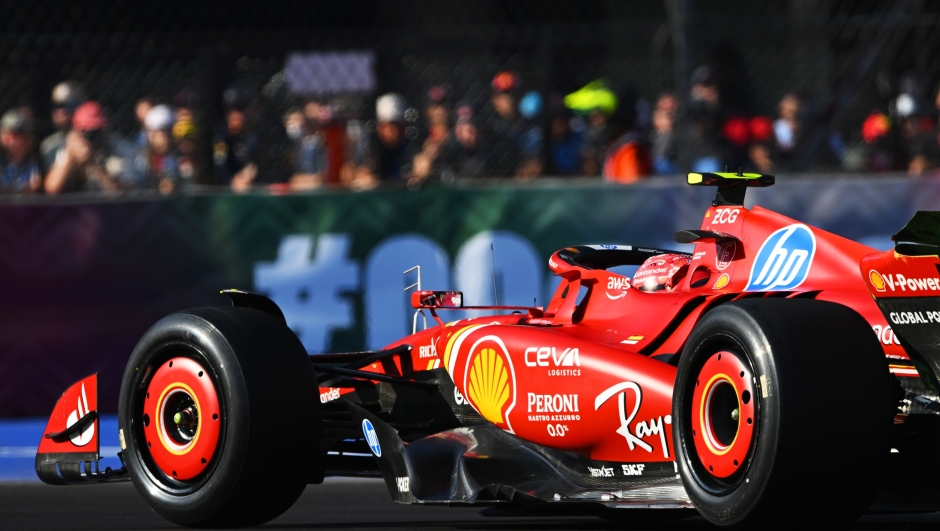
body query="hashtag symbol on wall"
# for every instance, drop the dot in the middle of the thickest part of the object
(308, 284)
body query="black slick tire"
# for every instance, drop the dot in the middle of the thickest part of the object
(824, 406)
(269, 413)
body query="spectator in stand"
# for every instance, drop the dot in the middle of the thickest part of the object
(663, 136)
(390, 151)
(437, 116)
(19, 165)
(141, 108)
(923, 136)
(353, 145)
(503, 126)
(532, 137)
(186, 136)
(875, 132)
(462, 154)
(566, 145)
(309, 160)
(184, 105)
(598, 103)
(66, 97)
(235, 145)
(629, 158)
(707, 118)
(596, 141)
(736, 136)
(761, 149)
(157, 162)
(787, 125)
(92, 159)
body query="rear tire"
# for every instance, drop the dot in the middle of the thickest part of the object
(220, 417)
(813, 379)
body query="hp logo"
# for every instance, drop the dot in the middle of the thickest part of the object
(784, 259)
(372, 438)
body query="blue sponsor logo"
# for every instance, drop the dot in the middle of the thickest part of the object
(372, 438)
(607, 246)
(784, 260)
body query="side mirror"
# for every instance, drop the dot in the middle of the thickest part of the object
(437, 299)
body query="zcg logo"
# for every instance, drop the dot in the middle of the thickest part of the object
(725, 215)
(784, 259)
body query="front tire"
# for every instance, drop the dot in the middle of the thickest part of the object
(783, 409)
(220, 417)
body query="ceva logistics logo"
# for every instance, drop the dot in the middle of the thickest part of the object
(784, 259)
(372, 438)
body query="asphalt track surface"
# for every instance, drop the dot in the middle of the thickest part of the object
(337, 504)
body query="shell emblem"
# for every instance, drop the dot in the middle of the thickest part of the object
(489, 380)
(489, 386)
(876, 280)
(722, 281)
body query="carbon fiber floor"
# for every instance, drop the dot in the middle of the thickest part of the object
(345, 504)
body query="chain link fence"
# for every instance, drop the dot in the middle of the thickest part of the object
(173, 97)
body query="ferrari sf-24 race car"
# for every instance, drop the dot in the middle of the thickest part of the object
(776, 372)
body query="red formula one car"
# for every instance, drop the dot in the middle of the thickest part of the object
(778, 371)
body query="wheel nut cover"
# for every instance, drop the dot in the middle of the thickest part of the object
(181, 381)
(723, 452)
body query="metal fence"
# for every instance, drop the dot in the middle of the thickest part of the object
(288, 95)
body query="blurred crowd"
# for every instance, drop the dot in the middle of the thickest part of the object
(516, 132)
(84, 154)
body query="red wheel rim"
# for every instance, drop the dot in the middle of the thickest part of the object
(181, 418)
(723, 414)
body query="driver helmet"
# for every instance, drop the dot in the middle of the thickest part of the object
(661, 272)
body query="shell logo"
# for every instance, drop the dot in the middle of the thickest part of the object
(876, 280)
(722, 281)
(489, 381)
(489, 385)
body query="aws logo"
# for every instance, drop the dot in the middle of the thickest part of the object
(490, 381)
(784, 259)
(617, 283)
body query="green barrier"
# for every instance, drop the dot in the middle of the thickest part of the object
(82, 280)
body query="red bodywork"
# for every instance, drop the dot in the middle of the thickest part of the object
(76, 402)
(593, 376)
(893, 275)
